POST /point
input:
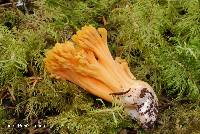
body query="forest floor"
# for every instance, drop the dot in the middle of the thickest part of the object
(160, 39)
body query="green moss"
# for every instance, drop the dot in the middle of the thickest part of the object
(158, 38)
(155, 36)
(180, 118)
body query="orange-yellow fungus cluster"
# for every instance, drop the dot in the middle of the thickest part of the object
(87, 62)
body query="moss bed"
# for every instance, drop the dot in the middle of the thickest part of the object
(160, 39)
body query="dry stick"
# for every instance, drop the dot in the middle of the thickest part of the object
(12, 94)
(6, 5)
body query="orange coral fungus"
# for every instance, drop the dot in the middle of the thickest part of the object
(87, 62)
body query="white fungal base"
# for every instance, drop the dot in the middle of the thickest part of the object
(141, 103)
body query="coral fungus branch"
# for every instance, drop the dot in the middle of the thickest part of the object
(67, 57)
(89, 38)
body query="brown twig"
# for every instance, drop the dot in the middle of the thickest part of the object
(11, 94)
(6, 4)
